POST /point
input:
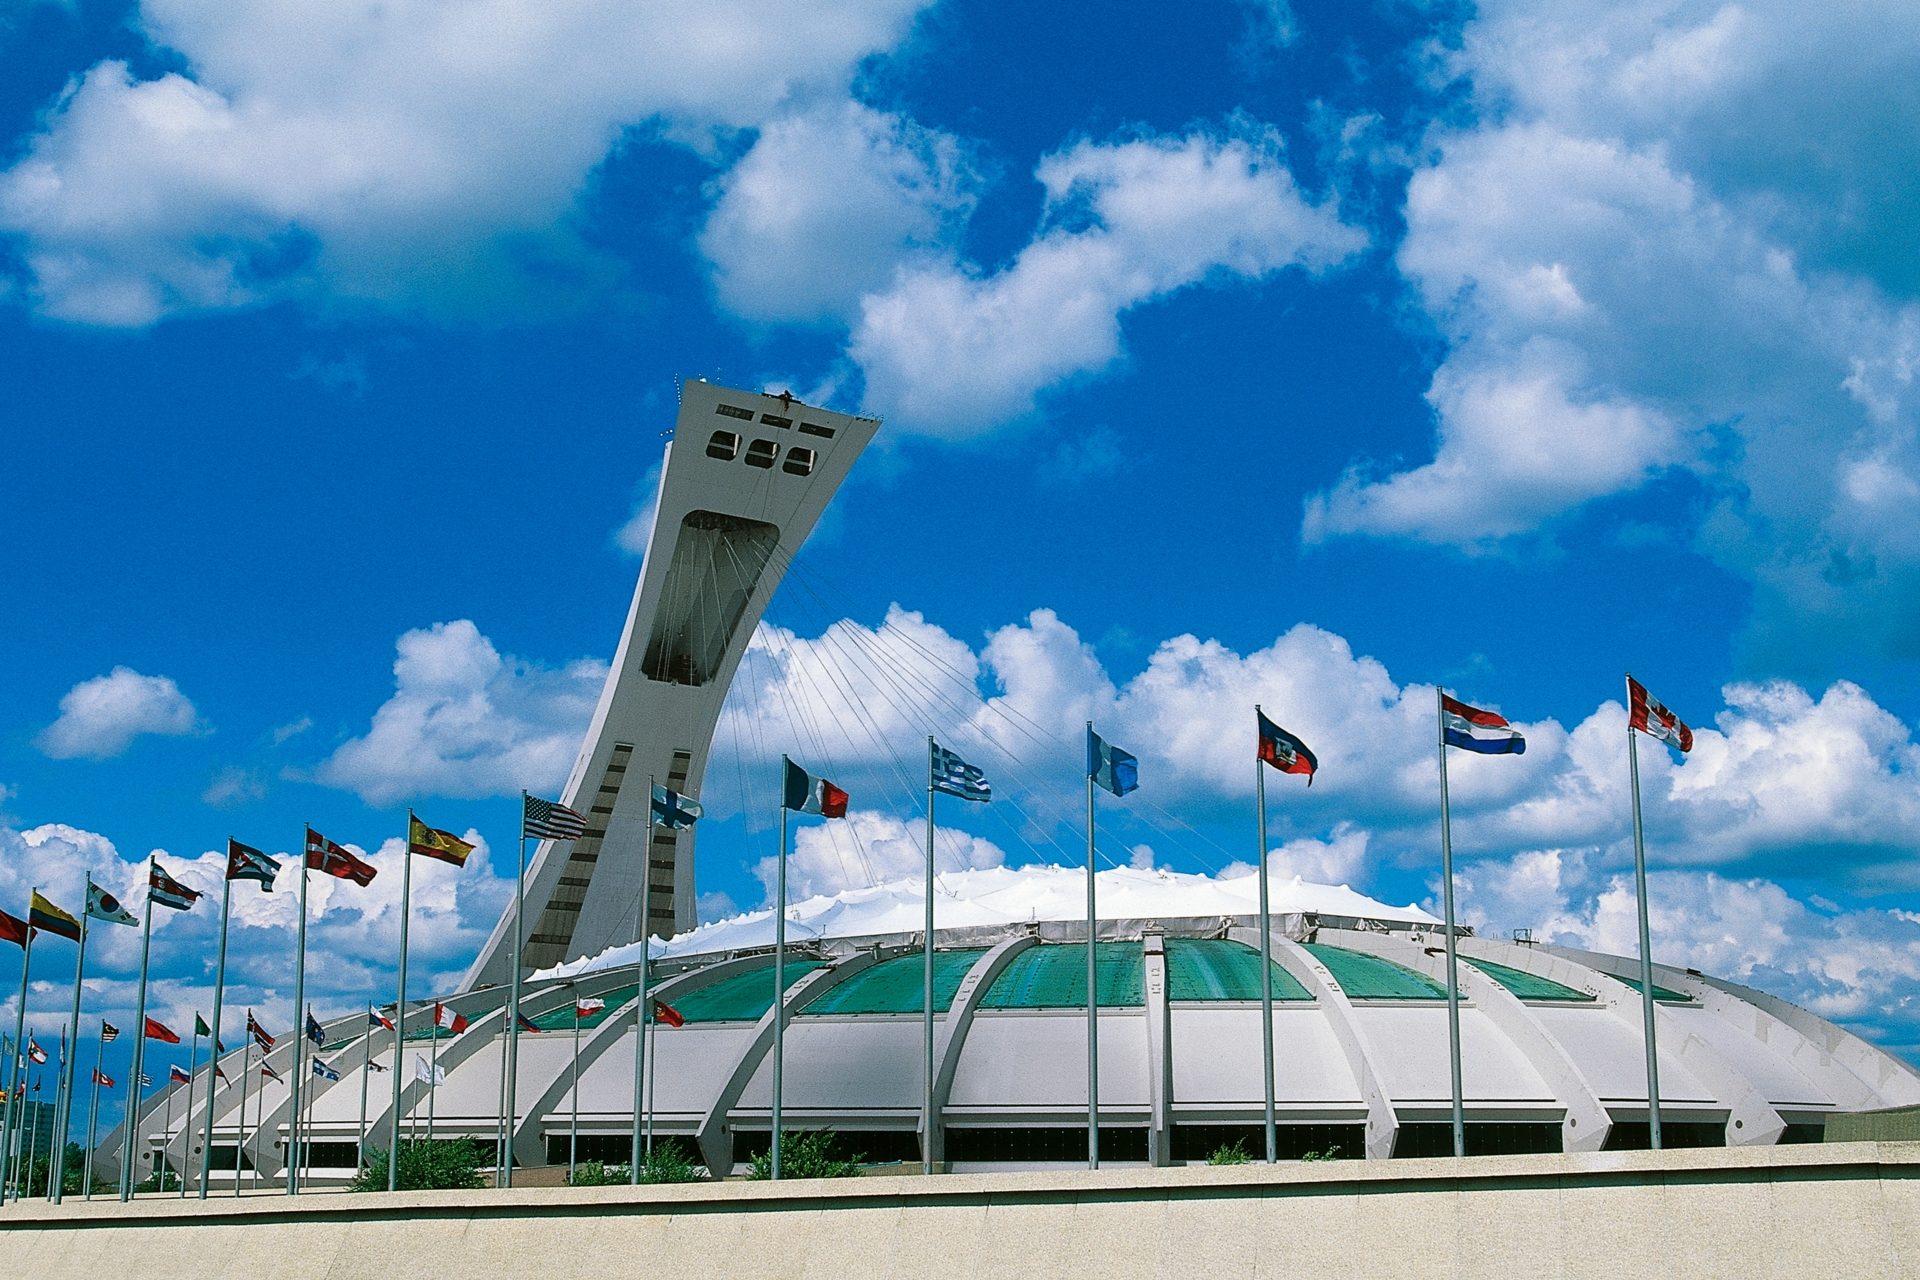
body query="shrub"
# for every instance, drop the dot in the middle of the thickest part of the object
(426, 1166)
(592, 1173)
(669, 1161)
(164, 1180)
(1234, 1152)
(806, 1155)
(1331, 1153)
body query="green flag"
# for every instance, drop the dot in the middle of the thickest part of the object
(200, 1027)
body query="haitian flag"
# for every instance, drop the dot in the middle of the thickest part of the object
(808, 794)
(1472, 729)
(1284, 751)
(1654, 720)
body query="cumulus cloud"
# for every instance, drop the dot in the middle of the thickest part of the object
(826, 206)
(951, 350)
(868, 848)
(100, 718)
(464, 720)
(406, 154)
(1658, 241)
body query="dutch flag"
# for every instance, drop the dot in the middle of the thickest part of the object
(1472, 729)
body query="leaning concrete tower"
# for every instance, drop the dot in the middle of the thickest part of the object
(743, 483)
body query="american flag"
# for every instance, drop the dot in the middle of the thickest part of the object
(108, 1031)
(545, 820)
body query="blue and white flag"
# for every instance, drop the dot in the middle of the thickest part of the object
(955, 777)
(673, 810)
(1111, 767)
(1472, 729)
(324, 1071)
(315, 1032)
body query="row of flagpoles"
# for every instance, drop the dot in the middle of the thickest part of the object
(1108, 768)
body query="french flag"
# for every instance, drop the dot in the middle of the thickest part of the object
(1472, 729)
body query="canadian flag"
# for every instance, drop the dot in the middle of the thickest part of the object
(446, 1018)
(1654, 720)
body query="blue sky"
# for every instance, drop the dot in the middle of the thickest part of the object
(1307, 355)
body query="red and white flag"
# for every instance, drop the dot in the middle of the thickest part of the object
(447, 1020)
(587, 1007)
(666, 1015)
(807, 794)
(1654, 720)
(326, 856)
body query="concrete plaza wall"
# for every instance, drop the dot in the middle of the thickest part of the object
(1848, 1210)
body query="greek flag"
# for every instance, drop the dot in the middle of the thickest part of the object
(955, 777)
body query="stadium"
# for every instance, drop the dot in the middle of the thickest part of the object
(1553, 1054)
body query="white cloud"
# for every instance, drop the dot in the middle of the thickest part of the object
(824, 208)
(466, 721)
(633, 536)
(408, 154)
(233, 786)
(952, 351)
(100, 718)
(866, 849)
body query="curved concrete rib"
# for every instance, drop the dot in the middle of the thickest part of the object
(716, 1143)
(1586, 1123)
(1383, 1125)
(1751, 1119)
(950, 1038)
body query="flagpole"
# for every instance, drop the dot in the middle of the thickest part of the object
(93, 1116)
(1646, 946)
(139, 1046)
(160, 1161)
(779, 982)
(926, 992)
(433, 1073)
(193, 1067)
(573, 1126)
(16, 1114)
(299, 1027)
(33, 1151)
(73, 1054)
(246, 1081)
(653, 1071)
(1271, 1132)
(512, 1107)
(6, 1121)
(1093, 996)
(213, 1055)
(1453, 960)
(640, 1006)
(366, 1073)
(60, 1111)
(400, 1010)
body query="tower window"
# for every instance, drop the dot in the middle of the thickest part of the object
(734, 411)
(723, 445)
(761, 453)
(815, 429)
(775, 420)
(799, 462)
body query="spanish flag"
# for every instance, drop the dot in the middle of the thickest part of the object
(44, 915)
(433, 843)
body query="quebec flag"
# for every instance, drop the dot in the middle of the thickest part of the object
(1472, 729)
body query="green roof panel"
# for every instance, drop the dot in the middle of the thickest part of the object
(1666, 995)
(1365, 977)
(561, 1019)
(744, 997)
(1054, 976)
(1527, 986)
(895, 985)
(1218, 969)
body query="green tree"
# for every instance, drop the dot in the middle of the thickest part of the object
(426, 1166)
(806, 1154)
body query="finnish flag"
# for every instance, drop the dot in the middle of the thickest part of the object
(955, 777)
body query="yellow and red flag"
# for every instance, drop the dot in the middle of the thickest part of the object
(431, 842)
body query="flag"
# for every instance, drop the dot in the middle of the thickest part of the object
(168, 892)
(809, 794)
(430, 842)
(1654, 720)
(548, 820)
(435, 1074)
(108, 1032)
(200, 1027)
(324, 1071)
(587, 1007)
(528, 1024)
(673, 810)
(221, 1074)
(1284, 751)
(1472, 729)
(146, 1080)
(667, 1014)
(375, 1018)
(35, 1053)
(268, 1073)
(258, 1032)
(315, 1032)
(244, 862)
(445, 1018)
(102, 1078)
(42, 914)
(13, 929)
(157, 1030)
(376, 1067)
(178, 1075)
(324, 855)
(1111, 767)
(102, 905)
(955, 777)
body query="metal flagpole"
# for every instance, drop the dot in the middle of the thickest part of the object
(1646, 946)
(1272, 1133)
(193, 1068)
(653, 1071)
(160, 1157)
(1453, 960)
(573, 1126)
(640, 1007)
(299, 1028)
(132, 1124)
(433, 1073)
(33, 1152)
(259, 1116)
(1093, 996)
(513, 1001)
(926, 989)
(366, 1073)
(17, 1075)
(93, 1116)
(213, 1055)
(72, 1056)
(400, 1010)
(59, 1107)
(6, 1117)
(779, 982)
(246, 1081)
